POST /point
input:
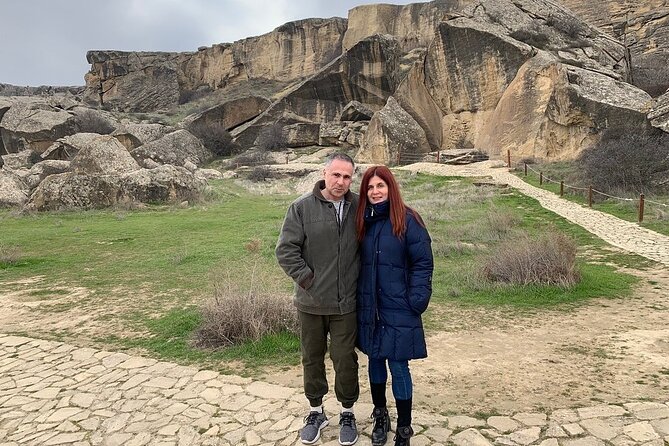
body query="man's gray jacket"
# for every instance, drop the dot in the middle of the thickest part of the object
(320, 255)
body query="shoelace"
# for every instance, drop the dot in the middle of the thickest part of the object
(312, 418)
(347, 419)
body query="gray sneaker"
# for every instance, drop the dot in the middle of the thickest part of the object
(313, 423)
(348, 432)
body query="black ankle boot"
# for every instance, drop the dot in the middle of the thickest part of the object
(381, 426)
(403, 435)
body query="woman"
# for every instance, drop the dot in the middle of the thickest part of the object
(394, 288)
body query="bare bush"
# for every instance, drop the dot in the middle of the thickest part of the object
(245, 309)
(271, 138)
(253, 158)
(533, 36)
(262, 173)
(501, 223)
(89, 121)
(10, 255)
(631, 161)
(547, 260)
(214, 137)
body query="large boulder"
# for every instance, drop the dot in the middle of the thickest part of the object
(43, 169)
(554, 111)
(19, 160)
(133, 135)
(174, 148)
(102, 155)
(13, 190)
(355, 111)
(34, 125)
(229, 114)
(392, 132)
(70, 190)
(167, 183)
(301, 135)
(144, 81)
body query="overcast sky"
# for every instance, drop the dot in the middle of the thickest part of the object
(44, 42)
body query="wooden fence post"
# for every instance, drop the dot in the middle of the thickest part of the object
(399, 154)
(525, 169)
(541, 178)
(508, 158)
(641, 205)
(438, 152)
(590, 196)
(562, 188)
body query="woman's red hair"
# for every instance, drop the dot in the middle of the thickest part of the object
(398, 209)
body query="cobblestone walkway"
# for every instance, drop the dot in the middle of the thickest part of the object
(57, 394)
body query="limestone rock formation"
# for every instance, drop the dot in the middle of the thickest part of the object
(13, 190)
(301, 135)
(552, 111)
(412, 24)
(643, 26)
(101, 155)
(43, 169)
(355, 111)
(367, 73)
(34, 125)
(174, 148)
(142, 81)
(83, 191)
(229, 114)
(133, 135)
(391, 132)
(659, 115)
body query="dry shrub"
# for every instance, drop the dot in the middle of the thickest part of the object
(89, 121)
(10, 255)
(245, 309)
(501, 224)
(547, 260)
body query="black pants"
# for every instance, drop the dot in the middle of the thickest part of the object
(314, 343)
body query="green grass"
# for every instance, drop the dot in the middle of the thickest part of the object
(147, 271)
(655, 218)
(171, 335)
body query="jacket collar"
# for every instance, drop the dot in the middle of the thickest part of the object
(318, 192)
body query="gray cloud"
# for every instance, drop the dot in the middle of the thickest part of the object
(44, 42)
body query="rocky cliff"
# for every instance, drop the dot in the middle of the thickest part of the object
(142, 81)
(643, 27)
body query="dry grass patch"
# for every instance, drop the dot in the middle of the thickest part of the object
(549, 259)
(245, 310)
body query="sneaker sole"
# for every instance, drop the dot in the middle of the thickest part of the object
(318, 435)
(348, 443)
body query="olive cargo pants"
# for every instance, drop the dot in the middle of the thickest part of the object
(314, 329)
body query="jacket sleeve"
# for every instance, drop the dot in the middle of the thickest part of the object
(421, 265)
(289, 248)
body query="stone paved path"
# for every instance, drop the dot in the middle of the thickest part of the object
(57, 394)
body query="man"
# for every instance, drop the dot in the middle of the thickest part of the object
(318, 249)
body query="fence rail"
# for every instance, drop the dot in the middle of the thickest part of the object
(591, 191)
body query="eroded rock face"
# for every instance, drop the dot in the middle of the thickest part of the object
(174, 148)
(142, 81)
(13, 190)
(81, 191)
(229, 114)
(412, 24)
(301, 135)
(552, 111)
(391, 132)
(659, 115)
(367, 73)
(34, 125)
(643, 25)
(101, 154)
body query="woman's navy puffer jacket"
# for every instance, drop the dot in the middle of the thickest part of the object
(394, 287)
